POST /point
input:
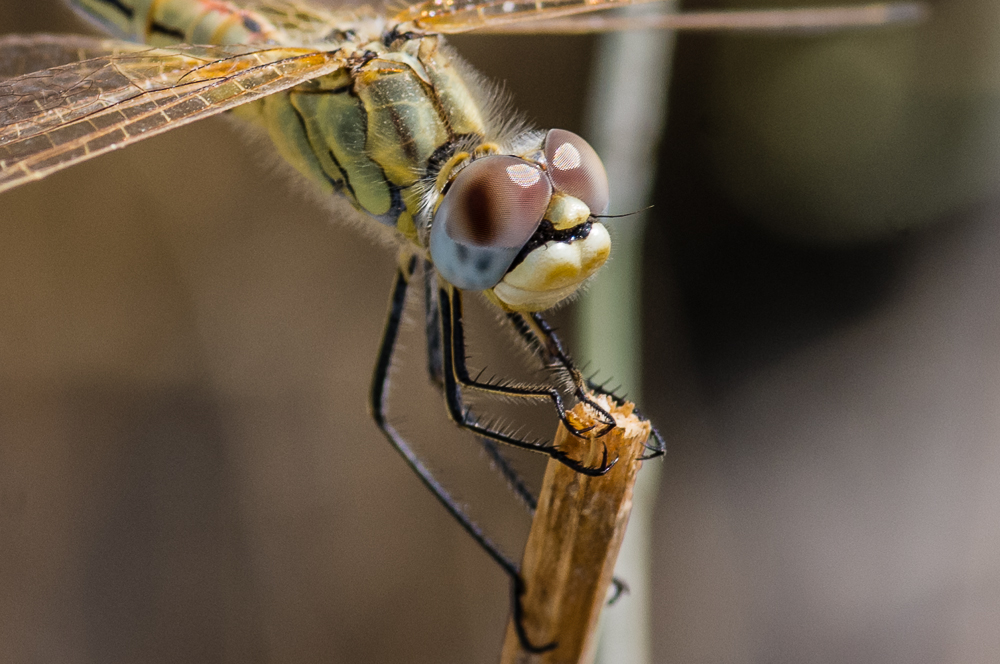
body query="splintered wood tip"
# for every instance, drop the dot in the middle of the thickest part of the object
(577, 531)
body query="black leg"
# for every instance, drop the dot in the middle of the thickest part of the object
(499, 388)
(379, 398)
(514, 480)
(456, 373)
(542, 340)
(621, 588)
(378, 401)
(435, 369)
(432, 326)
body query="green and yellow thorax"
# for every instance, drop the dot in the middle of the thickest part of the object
(410, 136)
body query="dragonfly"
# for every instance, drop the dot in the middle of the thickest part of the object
(373, 107)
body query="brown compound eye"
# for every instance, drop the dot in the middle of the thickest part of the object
(576, 169)
(489, 213)
(495, 202)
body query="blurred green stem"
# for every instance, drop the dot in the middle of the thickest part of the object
(627, 111)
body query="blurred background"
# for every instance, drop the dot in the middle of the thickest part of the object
(188, 471)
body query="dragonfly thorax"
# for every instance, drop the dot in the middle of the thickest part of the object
(521, 227)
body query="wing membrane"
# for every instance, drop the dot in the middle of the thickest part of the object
(310, 24)
(21, 54)
(563, 16)
(58, 117)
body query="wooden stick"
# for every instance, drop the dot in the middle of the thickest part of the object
(575, 537)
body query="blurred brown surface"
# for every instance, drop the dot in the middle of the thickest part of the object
(833, 497)
(830, 495)
(188, 472)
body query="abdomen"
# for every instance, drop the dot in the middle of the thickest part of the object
(165, 22)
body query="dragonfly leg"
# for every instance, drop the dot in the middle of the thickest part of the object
(621, 588)
(378, 403)
(432, 324)
(505, 389)
(435, 368)
(456, 376)
(491, 447)
(545, 344)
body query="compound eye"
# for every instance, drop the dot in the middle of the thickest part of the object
(576, 169)
(489, 213)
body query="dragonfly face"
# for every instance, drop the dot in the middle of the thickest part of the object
(522, 228)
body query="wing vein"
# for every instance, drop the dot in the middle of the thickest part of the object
(58, 117)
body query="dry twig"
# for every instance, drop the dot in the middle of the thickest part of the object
(575, 536)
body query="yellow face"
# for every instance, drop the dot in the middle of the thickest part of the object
(555, 270)
(522, 228)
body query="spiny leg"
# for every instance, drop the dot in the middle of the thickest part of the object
(543, 341)
(503, 389)
(435, 370)
(524, 494)
(457, 354)
(432, 326)
(456, 376)
(514, 480)
(378, 402)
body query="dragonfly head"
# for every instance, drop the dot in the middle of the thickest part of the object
(522, 228)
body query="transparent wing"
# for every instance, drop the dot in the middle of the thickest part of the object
(301, 22)
(60, 116)
(314, 23)
(562, 16)
(822, 19)
(21, 54)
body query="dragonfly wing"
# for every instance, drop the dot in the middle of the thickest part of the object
(453, 16)
(60, 116)
(312, 24)
(21, 54)
(563, 16)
